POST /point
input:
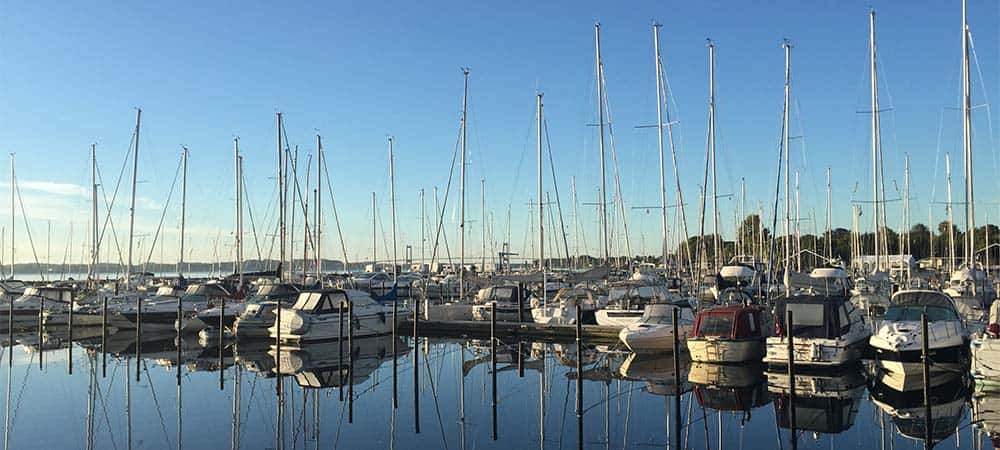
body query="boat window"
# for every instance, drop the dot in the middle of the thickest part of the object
(913, 312)
(308, 301)
(844, 320)
(617, 292)
(646, 292)
(716, 325)
(657, 316)
(503, 293)
(807, 319)
(330, 303)
(753, 324)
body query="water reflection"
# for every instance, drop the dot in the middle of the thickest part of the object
(459, 393)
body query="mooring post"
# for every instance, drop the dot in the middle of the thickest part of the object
(493, 365)
(520, 359)
(520, 301)
(138, 336)
(41, 308)
(579, 375)
(350, 361)
(925, 358)
(104, 336)
(395, 364)
(677, 373)
(340, 356)
(222, 333)
(69, 329)
(791, 377)
(416, 375)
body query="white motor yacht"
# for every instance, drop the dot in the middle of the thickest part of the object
(319, 316)
(28, 308)
(627, 302)
(259, 315)
(561, 309)
(826, 331)
(654, 332)
(898, 341)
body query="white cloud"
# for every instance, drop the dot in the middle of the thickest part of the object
(48, 187)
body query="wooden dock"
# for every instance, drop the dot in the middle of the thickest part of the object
(525, 330)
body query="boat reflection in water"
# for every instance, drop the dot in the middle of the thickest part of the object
(825, 402)
(733, 388)
(325, 365)
(906, 408)
(658, 372)
(986, 415)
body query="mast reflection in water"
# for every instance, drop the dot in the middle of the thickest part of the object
(628, 400)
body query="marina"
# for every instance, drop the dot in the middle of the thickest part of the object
(429, 271)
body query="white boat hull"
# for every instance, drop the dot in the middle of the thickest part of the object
(725, 350)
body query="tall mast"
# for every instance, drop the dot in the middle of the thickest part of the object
(798, 234)
(319, 209)
(392, 207)
(461, 219)
(788, 165)
(829, 215)
(876, 141)
(743, 215)
(906, 205)
(659, 141)
(951, 216)
(281, 197)
(12, 223)
(576, 224)
(423, 231)
(541, 221)
(131, 210)
(482, 208)
(293, 164)
(711, 142)
(184, 174)
(600, 113)
(238, 265)
(374, 234)
(970, 207)
(94, 250)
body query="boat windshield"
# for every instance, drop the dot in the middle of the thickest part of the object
(503, 293)
(913, 312)
(657, 316)
(806, 316)
(716, 325)
(308, 301)
(617, 292)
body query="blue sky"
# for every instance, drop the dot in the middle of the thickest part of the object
(356, 72)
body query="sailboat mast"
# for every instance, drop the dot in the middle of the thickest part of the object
(374, 234)
(238, 265)
(876, 141)
(576, 225)
(600, 113)
(131, 210)
(541, 221)
(281, 198)
(12, 217)
(716, 251)
(788, 166)
(461, 219)
(94, 250)
(951, 215)
(829, 217)
(392, 207)
(482, 209)
(184, 172)
(423, 231)
(319, 209)
(659, 141)
(970, 207)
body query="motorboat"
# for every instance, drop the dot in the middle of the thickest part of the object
(160, 311)
(510, 301)
(654, 331)
(729, 387)
(224, 305)
(627, 302)
(985, 350)
(561, 309)
(259, 315)
(326, 314)
(27, 309)
(897, 344)
(871, 293)
(826, 331)
(971, 290)
(730, 334)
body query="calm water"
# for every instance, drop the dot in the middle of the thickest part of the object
(628, 401)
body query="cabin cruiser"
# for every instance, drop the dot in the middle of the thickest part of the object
(740, 273)
(627, 302)
(729, 334)
(897, 343)
(225, 304)
(985, 348)
(871, 293)
(510, 300)
(654, 331)
(561, 309)
(971, 290)
(827, 331)
(28, 308)
(259, 315)
(320, 315)
(160, 311)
